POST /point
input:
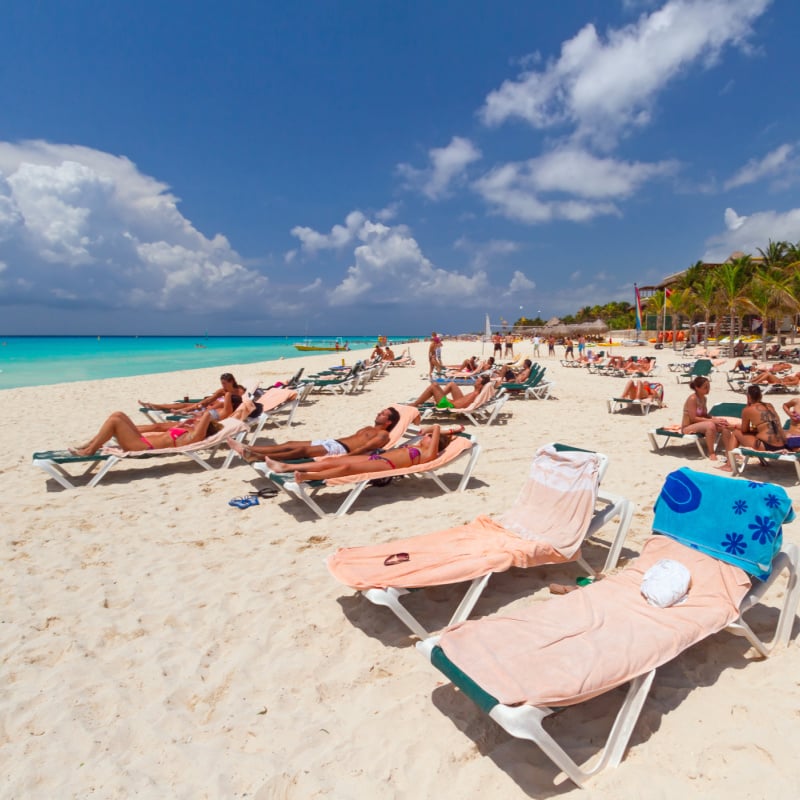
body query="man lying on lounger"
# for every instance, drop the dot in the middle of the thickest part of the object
(364, 440)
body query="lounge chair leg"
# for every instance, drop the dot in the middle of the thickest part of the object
(390, 598)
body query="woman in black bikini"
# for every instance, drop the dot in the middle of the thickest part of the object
(761, 427)
(420, 450)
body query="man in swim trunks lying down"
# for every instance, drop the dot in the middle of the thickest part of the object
(371, 437)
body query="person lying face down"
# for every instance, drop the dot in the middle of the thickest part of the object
(364, 440)
(421, 450)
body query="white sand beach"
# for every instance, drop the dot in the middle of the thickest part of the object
(157, 642)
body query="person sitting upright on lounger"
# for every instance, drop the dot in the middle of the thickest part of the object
(761, 427)
(364, 440)
(457, 398)
(696, 418)
(212, 402)
(421, 450)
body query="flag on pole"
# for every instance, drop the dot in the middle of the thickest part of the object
(638, 308)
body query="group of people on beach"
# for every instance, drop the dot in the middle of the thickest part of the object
(200, 419)
(760, 427)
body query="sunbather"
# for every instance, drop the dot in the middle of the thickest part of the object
(421, 450)
(637, 390)
(212, 402)
(770, 377)
(130, 436)
(760, 430)
(642, 365)
(696, 418)
(364, 440)
(457, 398)
(520, 375)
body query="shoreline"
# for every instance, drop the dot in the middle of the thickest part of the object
(155, 636)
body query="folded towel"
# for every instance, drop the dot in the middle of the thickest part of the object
(733, 520)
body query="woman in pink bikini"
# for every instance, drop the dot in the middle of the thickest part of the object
(420, 450)
(130, 436)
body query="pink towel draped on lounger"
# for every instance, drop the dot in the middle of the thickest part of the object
(546, 525)
(574, 647)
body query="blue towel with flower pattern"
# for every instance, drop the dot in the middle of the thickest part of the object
(734, 520)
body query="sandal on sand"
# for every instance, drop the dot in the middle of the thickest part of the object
(243, 502)
(267, 491)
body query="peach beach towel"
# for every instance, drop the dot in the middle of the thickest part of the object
(574, 647)
(409, 415)
(546, 525)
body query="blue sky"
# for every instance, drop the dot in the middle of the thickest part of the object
(358, 167)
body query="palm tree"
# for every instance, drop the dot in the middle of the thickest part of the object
(732, 280)
(683, 303)
(705, 293)
(655, 305)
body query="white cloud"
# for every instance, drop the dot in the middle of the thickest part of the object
(520, 282)
(340, 236)
(519, 190)
(603, 86)
(775, 162)
(391, 268)
(447, 165)
(312, 287)
(748, 233)
(87, 227)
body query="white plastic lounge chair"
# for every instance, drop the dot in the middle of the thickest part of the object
(569, 649)
(645, 405)
(558, 508)
(53, 462)
(462, 446)
(483, 410)
(733, 411)
(739, 457)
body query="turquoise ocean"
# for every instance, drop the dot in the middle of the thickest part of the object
(41, 360)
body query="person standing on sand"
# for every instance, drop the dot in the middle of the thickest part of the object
(497, 345)
(536, 341)
(434, 354)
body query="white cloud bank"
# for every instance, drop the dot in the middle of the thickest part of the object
(778, 162)
(585, 184)
(389, 267)
(85, 228)
(601, 87)
(748, 233)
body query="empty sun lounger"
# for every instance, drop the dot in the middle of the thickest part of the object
(54, 462)
(559, 507)
(569, 649)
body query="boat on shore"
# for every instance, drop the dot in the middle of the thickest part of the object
(327, 345)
